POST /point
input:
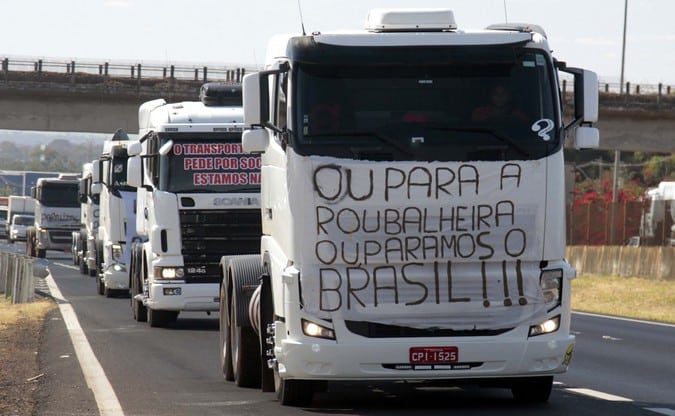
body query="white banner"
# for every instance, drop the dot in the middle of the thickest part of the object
(423, 244)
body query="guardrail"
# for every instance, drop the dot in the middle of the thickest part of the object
(17, 276)
(136, 70)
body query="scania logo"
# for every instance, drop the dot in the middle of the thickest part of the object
(235, 201)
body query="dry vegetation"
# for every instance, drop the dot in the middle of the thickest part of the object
(20, 329)
(638, 298)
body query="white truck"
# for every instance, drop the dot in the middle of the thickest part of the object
(117, 216)
(84, 240)
(18, 205)
(413, 220)
(657, 226)
(57, 215)
(198, 197)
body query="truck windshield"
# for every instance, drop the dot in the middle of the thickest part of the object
(24, 220)
(491, 103)
(210, 163)
(54, 194)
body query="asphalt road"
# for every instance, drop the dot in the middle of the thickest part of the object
(619, 368)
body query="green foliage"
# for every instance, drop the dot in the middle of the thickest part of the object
(58, 156)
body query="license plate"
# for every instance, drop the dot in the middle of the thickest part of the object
(434, 355)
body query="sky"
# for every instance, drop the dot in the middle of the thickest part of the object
(584, 33)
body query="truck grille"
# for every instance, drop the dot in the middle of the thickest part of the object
(206, 236)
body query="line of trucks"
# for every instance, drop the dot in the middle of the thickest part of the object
(346, 216)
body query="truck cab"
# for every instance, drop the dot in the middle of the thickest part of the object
(413, 222)
(198, 198)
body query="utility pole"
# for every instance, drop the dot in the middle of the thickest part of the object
(623, 47)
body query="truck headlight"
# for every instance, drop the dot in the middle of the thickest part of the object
(551, 286)
(312, 329)
(546, 327)
(168, 272)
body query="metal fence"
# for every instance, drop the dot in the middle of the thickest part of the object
(17, 276)
(644, 223)
(135, 70)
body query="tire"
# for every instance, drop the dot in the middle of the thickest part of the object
(532, 389)
(41, 253)
(293, 392)
(83, 267)
(100, 287)
(160, 319)
(138, 310)
(225, 351)
(244, 349)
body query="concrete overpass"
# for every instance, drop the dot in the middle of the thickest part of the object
(103, 102)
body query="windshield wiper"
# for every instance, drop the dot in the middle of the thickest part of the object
(357, 149)
(486, 130)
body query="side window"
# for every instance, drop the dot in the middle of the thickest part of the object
(153, 159)
(280, 100)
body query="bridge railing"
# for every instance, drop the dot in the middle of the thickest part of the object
(128, 70)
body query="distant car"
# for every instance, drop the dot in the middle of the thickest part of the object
(633, 241)
(17, 229)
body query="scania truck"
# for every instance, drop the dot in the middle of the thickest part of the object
(117, 216)
(413, 209)
(198, 198)
(57, 215)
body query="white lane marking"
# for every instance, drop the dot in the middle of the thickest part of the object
(610, 338)
(618, 318)
(661, 411)
(599, 395)
(106, 400)
(67, 266)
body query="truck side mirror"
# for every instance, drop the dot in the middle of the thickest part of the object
(135, 172)
(134, 149)
(586, 138)
(251, 99)
(255, 141)
(96, 188)
(586, 97)
(96, 171)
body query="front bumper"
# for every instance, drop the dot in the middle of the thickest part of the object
(192, 297)
(504, 356)
(116, 277)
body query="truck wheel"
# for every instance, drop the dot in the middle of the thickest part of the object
(533, 389)
(159, 319)
(100, 286)
(83, 267)
(224, 336)
(244, 349)
(41, 253)
(138, 310)
(293, 392)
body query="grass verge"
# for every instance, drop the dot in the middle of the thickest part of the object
(629, 297)
(20, 330)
